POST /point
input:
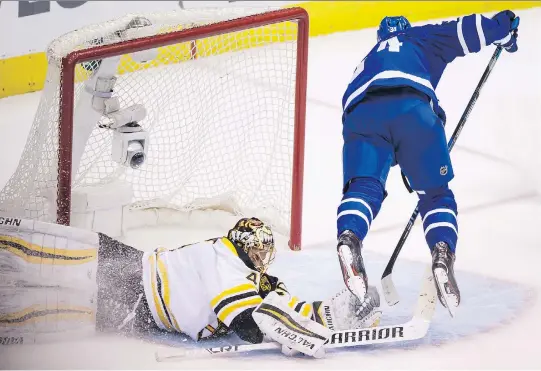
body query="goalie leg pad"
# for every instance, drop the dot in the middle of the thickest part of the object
(289, 328)
(34, 253)
(41, 315)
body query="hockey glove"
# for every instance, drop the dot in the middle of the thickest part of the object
(344, 311)
(508, 19)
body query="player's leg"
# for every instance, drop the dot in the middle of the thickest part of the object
(367, 158)
(122, 305)
(424, 158)
(438, 210)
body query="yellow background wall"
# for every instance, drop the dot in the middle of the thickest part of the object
(26, 73)
(337, 16)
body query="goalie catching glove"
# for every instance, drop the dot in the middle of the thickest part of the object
(305, 328)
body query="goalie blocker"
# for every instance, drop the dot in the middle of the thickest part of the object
(204, 290)
(289, 328)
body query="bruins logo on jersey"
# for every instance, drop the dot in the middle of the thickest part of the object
(264, 284)
(268, 283)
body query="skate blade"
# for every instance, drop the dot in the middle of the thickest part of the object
(440, 276)
(354, 283)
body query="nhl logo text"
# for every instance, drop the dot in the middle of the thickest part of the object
(443, 170)
(366, 335)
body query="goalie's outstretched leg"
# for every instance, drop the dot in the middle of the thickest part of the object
(42, 254)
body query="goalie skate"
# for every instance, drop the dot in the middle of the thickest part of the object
(442, 267)
(351, 262)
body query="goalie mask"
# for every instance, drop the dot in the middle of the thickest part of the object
(255, 239)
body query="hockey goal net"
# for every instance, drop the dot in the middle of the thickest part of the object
(215, 100)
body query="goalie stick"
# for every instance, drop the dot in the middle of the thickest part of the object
(389, 290)
(414, 329)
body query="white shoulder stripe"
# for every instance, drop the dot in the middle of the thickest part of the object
(461, 37)
(480, 32)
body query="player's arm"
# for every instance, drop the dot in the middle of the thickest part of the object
(469, 34)
(234, 307)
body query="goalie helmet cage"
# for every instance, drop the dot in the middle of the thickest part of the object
(235, 23)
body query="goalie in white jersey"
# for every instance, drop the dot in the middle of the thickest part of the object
(203, 290)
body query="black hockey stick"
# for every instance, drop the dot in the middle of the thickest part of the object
(389, 289)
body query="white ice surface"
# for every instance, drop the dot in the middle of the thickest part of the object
(497, 187)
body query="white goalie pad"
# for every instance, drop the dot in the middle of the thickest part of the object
(34, 253)
(41, 315)
(287, 327)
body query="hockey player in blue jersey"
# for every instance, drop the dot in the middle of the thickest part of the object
(391, 115)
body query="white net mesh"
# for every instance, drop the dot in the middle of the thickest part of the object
(221, 125)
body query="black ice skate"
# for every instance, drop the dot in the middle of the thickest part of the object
(443, 260)
(351, 262)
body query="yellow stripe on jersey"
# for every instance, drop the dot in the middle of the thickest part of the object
(166, 292)
(37, 254)
(230, 246)
(245, 287)
(252, 302)
(226, 304)
(155, 293)
(306, 310)
(293, 301)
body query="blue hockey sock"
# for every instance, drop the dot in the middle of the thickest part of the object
(439, 214)
(360, 204)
